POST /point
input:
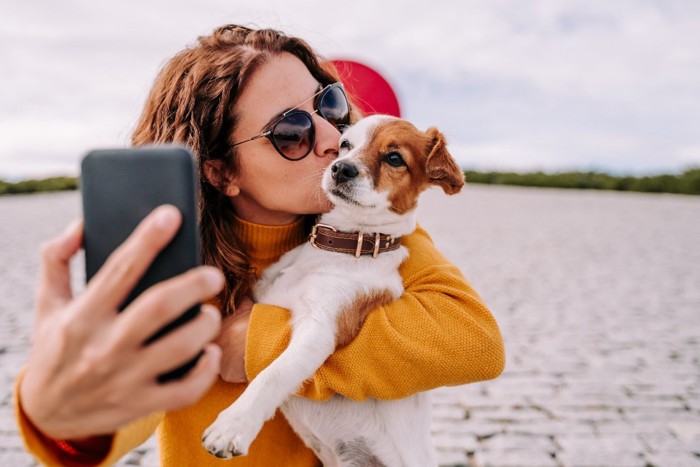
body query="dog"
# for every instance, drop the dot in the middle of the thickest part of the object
(348, 268)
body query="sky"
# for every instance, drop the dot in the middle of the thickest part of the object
(518, 85)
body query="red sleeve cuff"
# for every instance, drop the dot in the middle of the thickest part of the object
(89, 451)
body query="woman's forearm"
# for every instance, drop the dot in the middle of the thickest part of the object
(437, 333)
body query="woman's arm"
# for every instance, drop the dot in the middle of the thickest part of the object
(89, 373)
(438, 333)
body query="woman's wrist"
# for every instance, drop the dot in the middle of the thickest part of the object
(28, 410)
(89, 451)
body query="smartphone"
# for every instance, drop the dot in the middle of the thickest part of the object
(120, 187)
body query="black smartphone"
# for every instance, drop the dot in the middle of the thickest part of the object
(120, 187)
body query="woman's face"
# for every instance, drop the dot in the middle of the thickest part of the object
(269, 189)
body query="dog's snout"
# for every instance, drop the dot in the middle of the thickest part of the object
(344, 171)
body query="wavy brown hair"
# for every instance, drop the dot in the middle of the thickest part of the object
(193, 102)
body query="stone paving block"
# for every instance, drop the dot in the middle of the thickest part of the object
(461, 429)
(512, 441)
(482, 402)
(150, 459)
(659, 389)
(655, 406)
(12, 366)
(451, 426)
(451, 411)
(151, 443)
(664, 442)
(514, 458)
(16, 458)
(584, 402)
(574, 396)
(455, 442)
(508, 416)
(528, 388)
(688, 431)
(130, 459)
(486, 430)
(613, 450)
(600, 458)
(683, 417)
(554, 427)
(672, 459)
(7, 420)
(6, 396)
(593, 418)
(693, 401)
(643, 399)
(625, 427)
(450, 459)
(10, 441)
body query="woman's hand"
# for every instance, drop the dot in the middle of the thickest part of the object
(88, 372)
(232, 342)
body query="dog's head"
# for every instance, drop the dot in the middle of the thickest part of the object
(385, 163)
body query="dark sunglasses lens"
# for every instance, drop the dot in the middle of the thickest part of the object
(293, 135)
(334, 106)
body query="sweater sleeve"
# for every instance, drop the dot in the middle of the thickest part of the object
(438, 333)
(45, 450)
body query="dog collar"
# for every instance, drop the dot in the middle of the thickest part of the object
(329, 238)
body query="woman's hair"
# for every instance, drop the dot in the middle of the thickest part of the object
(192, 102)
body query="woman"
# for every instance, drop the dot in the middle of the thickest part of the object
(88, 393)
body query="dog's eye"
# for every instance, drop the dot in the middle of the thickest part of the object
(345, 144)
(394, 159)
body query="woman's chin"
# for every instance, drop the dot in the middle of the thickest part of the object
(323, 206)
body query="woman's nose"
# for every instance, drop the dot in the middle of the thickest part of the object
(327, 138)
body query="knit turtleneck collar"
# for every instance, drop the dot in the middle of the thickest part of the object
(264, 244)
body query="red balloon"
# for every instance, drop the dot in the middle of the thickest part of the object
(367, 88)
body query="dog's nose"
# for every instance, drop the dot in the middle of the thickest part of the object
(343, 171)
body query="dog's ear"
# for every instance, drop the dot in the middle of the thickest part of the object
(441, 168)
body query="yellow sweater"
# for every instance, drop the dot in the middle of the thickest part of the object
(438, 333)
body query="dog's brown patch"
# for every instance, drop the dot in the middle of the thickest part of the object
(352, 316)
(427, 163)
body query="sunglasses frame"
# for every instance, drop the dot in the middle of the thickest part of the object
(268, 131)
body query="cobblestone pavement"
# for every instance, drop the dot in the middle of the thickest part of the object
(597, 295)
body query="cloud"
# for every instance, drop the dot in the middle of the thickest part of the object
(544, 83)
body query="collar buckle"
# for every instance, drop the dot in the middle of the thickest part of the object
(314, 232)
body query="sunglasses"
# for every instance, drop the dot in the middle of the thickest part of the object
(293, 133)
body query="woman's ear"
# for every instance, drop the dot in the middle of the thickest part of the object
(441, 168)
(219, 178)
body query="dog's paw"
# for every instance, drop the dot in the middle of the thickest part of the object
(229, 436)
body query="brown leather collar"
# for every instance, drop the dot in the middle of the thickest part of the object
(328, 238)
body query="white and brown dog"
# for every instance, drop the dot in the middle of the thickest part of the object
(349, 267)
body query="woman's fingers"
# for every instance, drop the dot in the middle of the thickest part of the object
(164, 302)
(180, 345)
(188, 390)
(125, 266)
(54, 283)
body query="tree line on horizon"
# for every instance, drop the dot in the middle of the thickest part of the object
(687, 182)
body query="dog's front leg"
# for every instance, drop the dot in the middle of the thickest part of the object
(236, 427)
